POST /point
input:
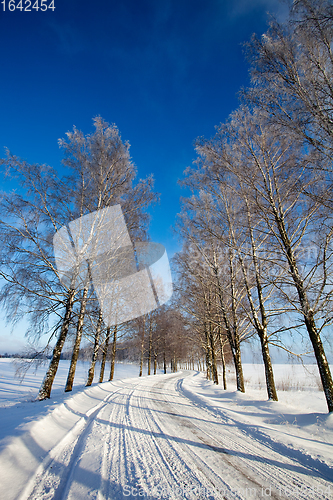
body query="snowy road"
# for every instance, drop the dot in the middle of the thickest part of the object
(155, 437)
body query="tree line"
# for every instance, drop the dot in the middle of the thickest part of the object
(98, 172)
(257, 229)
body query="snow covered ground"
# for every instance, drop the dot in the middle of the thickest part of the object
(13, 389)
(166, 436)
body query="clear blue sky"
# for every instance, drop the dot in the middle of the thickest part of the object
(164, 71)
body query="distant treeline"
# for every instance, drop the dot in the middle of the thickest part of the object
(24, 356)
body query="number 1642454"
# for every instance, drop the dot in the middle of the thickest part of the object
(27, 5)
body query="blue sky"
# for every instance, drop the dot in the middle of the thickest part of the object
(164, 71)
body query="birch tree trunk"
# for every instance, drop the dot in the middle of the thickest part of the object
(270, 384)
(308, 315)
(173, 363)
(208, 355)
(105, 352)
(260, 325)
(214, 363)
(233, 341)
(113, 352)
(236, 343)
(150, 346)
(142, 348)
(45, 390)
(76, 348)
(91, 371)
(155, 362)
(223, 361)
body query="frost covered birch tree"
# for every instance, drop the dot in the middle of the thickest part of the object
(100, 174)
(104, 174)
(32, 287)
(273, 168)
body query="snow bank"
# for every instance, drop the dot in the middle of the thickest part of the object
(13, 390)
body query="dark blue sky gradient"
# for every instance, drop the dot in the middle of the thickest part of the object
(164, 71)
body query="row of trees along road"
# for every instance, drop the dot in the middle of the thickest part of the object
(161, 340)
(99, 173)
(257, 230)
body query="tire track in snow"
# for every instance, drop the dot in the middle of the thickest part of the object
(214, 471)
(136, 452)
(110, 465)
(149, 466)
(171, 472)
(191, 473)
(152, 432)
(116, 472)
(304, 459)
(51, 477)
(268, 459)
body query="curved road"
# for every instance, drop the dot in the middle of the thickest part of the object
(154, 438)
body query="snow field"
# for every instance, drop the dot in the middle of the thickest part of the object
(166, 436)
